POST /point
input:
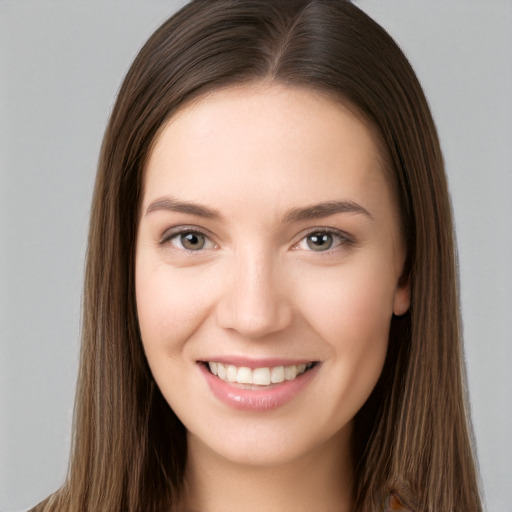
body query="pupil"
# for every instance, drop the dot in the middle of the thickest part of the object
(319, 241)
(192, 241)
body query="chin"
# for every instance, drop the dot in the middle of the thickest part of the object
(267, 445)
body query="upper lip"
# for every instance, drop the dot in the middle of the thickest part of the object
(266, 362)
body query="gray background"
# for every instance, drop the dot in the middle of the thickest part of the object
(61, 63)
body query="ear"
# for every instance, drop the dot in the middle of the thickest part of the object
(402, 298)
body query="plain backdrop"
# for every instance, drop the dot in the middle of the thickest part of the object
(61, 63)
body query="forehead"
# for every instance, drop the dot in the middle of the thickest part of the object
(274, 142)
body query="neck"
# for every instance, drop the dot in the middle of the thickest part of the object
(319, 481)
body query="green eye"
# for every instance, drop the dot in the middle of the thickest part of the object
(192, 241)
(319, 241)
(324, 240)
(187, 239)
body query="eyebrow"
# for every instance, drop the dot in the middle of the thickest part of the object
(315, 211)
(173, 205)
(325, 209)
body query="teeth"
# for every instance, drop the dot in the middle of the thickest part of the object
(221, 371)
(231, 373)
(261, 376)
(290, 372)
(243, 376)
(257, 376)
(277, 374)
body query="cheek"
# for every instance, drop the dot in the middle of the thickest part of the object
(170, 305)
(349, 306)
(354, 319)
(352, 312)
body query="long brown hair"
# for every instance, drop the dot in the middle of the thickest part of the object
(413, 435)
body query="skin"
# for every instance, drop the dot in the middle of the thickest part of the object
(257, 289)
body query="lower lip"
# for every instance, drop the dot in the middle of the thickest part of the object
(257, 399)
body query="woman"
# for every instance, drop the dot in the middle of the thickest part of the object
(270, 313)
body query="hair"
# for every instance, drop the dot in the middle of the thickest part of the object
(413, 435)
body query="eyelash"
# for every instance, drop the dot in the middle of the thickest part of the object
(174, 233)
(343, 238)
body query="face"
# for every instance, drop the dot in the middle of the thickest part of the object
(268, 268)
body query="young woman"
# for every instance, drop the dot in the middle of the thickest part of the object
(271, 313)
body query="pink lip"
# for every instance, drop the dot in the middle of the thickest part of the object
(256, 400)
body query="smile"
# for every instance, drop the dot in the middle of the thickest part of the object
(264, 376)
(257, 388)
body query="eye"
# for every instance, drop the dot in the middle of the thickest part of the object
(321, 241)
(189, 240)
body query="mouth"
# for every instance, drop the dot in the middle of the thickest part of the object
(257, 378)
(250, 387)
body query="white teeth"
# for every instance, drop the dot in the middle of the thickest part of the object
(257, 376)
(261, 376)
(221, 371)
(290, 372)
(244, 375)
(277, 374)
(231, 372)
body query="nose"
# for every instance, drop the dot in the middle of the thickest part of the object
(254, 302)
